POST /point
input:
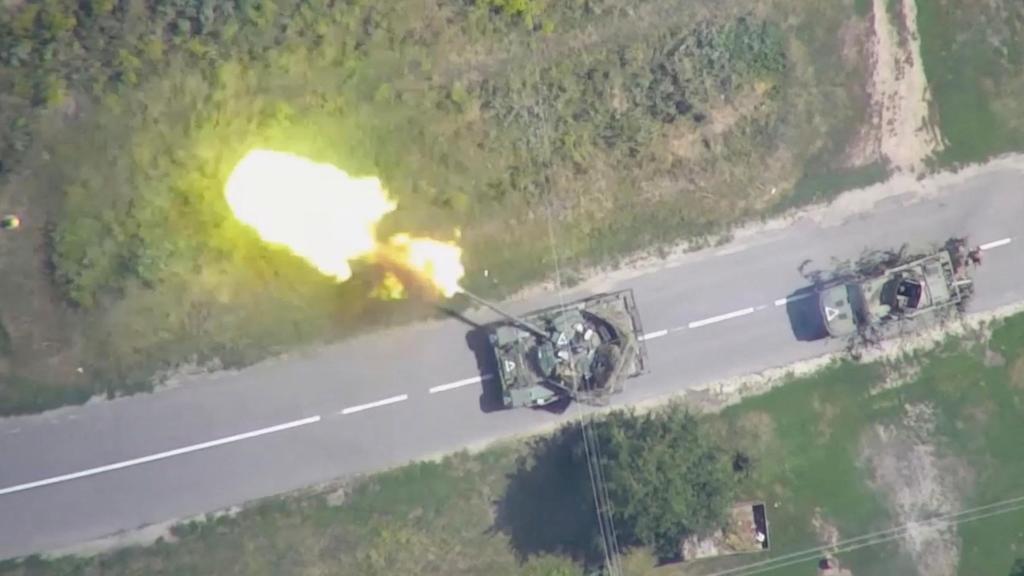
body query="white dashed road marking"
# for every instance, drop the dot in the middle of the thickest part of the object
(784, 301)
(459, 383)
(720, 318)
(996, 244)
(362, 407)
(377, 404)
(160, 455)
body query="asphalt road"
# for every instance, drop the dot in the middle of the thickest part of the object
(76, 474)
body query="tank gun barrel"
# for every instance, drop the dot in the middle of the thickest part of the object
(510, 317)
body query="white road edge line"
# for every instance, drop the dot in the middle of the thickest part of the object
(653, 335)
(460, 383)
(377, 404)
(159, 456)
(720, 318)
(995, 244)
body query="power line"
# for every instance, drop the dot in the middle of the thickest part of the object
(879, 537)
(880, 541)
(598, 485)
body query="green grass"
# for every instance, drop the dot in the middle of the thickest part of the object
(424, 519)
(973, 61)
(805, 439)
(626, 133)
(825, 186)
(810, 449)
(808, 460)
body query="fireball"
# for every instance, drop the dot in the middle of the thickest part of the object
(317, 210)
(330, 219)
(438, 262)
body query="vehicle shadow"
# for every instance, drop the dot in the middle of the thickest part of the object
(486, 363)
(805, 316)
(487, 368)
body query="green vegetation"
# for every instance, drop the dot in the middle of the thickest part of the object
(666, 477)
(809, 450)
(824, 186)
(122, 120)
(425, 519)
(812, 440)
(974, 60)
(20, 395)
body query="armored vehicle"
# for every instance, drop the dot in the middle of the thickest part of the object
(580, 351)
(906, 288)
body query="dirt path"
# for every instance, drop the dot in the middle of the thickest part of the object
(918, 483)
(899, 91)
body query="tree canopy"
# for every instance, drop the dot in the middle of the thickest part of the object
(666, 476)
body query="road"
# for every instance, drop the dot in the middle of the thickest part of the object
(77, 474)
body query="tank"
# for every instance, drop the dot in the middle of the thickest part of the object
(902, 288)
(582, 351)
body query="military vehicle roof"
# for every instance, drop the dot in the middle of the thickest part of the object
(582, 350)
(837, 311)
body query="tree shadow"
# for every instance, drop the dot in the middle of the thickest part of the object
(548, 506)
(805, 318)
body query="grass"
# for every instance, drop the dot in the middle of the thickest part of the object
(808, 461)
(825, 186)
(809, 436)
(806, 439)
(431, 518)
(628, 132)
(974, 61)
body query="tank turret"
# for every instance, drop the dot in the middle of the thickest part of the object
(581, 351)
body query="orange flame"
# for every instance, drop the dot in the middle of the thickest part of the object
(330, 219)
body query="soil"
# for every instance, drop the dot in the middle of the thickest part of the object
(918, 483)
(995, 359)
(897, 374)
(899, 91)
(828, 535)
(42, 331)
(1017, 373)
(857, 42)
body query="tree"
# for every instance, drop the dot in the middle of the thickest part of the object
(1018, 568)
(665, 477)
(550, 566)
